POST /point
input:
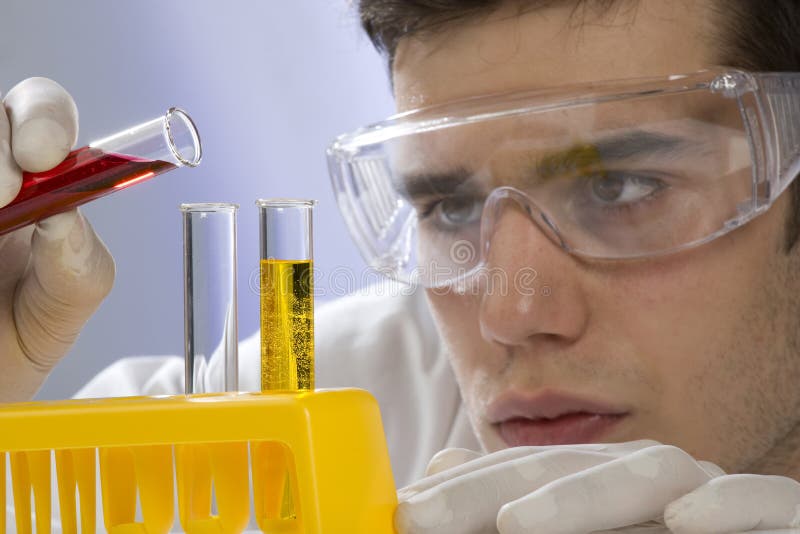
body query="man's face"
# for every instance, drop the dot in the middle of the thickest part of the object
(696, 349)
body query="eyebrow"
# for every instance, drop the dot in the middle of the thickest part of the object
(433, 184)
(639, 142)
(633, 143)
(588, 156)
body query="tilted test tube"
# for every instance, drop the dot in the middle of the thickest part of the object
(105, 166)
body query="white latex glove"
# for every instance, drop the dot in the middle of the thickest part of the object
(571, 489)
(738, 503)
(53, 275)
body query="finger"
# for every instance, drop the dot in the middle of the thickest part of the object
(70, 273)
(449, 458)
(14, 254)
(469, 503)
(18, 380)
(651, 527)
(44, 123)
(511, 454)
(463, 469)
(10, 173)
(628, 490)
(728, 504)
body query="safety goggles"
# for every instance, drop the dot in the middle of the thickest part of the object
(611, 171)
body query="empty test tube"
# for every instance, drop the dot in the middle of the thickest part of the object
(210, 308)
(287, 294)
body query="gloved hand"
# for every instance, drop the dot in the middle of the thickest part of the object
(53, 275)
(738, 503)
(562, 489)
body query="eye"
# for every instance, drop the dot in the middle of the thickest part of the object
(617, 189)
(458, 211)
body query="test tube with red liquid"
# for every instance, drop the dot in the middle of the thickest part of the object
(105, 166)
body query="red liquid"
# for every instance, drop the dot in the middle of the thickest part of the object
(87, 173)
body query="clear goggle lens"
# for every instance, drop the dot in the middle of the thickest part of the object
(605, 175)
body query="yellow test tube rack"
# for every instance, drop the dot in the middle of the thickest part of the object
(324, 452)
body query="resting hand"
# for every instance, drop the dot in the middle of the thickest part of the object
(562, 489)
(53, 275)
(738, 503)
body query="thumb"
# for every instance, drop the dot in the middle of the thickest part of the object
(69, 275)
(44, 123)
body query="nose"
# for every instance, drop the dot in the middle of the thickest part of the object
(543, 298)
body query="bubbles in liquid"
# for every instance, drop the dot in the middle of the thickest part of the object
(287, 325)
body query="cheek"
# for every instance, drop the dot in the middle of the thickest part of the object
(705, 324)
(681, 317)
(688, 306)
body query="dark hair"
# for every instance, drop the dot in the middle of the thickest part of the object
(758, 35)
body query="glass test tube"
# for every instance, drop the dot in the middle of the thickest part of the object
(287, 294)
(210, 309)
(104, 166)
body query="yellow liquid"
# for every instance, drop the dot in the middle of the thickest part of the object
(287, 325)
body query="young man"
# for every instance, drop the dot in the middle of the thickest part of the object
(650, 316)
(637, 286)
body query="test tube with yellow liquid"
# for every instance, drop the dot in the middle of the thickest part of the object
(287, 294)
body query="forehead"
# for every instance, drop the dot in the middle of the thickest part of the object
(510, 49)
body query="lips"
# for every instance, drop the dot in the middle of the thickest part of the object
(552, 418)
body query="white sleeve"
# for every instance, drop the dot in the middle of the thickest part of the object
(139, 375)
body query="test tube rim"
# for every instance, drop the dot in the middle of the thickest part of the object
(208, 207)
(286, 203)
(195, 137)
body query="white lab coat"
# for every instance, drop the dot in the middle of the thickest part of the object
(383, 343)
